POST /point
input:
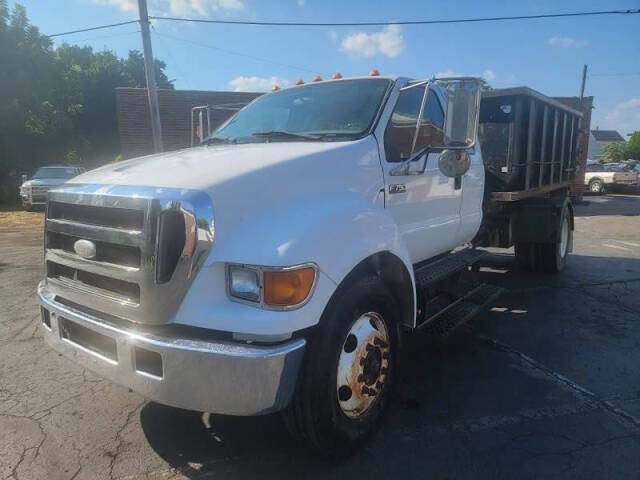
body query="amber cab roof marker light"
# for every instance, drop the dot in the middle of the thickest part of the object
(374, 72)
(317, 78)
(299, 81)
(275, 88)
(336, 75)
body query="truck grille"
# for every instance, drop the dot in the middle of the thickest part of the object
(141, 265)
(39, 193)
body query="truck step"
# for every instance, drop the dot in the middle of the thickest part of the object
(461, 310)
(433, 272)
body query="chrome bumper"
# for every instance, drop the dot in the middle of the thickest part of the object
(210, 376)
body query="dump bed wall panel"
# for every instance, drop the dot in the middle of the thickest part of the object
(528, 140)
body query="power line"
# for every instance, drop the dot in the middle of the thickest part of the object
(362, 24)
(171, 58)
(405, 22)
(239, 54)
(621, 74)
(111, 25)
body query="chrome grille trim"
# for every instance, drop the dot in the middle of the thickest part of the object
(121, 272)
(133, 238)
(157, 302)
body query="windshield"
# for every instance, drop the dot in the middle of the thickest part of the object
(56, 172)
(333, 110)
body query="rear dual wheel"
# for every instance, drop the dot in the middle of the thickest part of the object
(547, 257)
(349, 366)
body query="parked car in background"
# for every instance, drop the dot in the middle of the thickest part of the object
(599, 178)
(34, 192)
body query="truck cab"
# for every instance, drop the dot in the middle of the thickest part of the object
(277, 266)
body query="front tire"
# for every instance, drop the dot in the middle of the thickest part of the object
(348, 370)
(27, 206)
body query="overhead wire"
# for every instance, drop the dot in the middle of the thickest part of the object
(362, 24)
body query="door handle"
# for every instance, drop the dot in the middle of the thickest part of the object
(397, 188)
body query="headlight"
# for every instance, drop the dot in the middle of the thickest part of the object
(272, 287)
(244, 283)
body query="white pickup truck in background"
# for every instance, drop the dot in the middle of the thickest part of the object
(599, 178)
(277, 266)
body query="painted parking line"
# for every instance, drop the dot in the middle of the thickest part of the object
(631, 244)
(615, 246)
(624, 417)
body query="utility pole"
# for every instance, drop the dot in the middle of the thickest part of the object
(154, 110)
(584, 80)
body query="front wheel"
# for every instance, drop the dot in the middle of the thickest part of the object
(349, 368)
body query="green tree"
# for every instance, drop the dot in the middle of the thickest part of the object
(613, 152)
(57, 105)
(632, 149)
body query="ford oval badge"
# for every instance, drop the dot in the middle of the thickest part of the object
(85, 248)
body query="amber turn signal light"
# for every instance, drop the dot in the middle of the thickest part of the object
(283, 288)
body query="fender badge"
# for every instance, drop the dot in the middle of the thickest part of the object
(85, 248)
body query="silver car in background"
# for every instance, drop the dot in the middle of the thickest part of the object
(34, 192)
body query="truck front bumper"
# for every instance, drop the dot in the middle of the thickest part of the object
(206, 375)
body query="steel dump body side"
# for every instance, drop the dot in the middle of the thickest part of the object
(529, 142)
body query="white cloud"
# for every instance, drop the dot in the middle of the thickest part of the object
(567, 42)
(176, 7)
(624, 117)
(256, 84)
(488, 74)
(388, 42)
(301, 3)
(124, 5)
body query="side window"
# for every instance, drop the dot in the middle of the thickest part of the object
(398, 137)
(431, 133)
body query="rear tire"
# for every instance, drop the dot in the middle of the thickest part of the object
(552, 257)
(347, 351)
(596, 187)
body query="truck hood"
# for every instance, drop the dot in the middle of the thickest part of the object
(264, 189)
(202, 168)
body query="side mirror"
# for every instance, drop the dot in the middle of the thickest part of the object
(453, 163)
(463, 108)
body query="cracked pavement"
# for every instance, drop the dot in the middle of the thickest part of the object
(544, 385)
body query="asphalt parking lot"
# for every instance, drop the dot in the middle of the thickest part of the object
(545, 384)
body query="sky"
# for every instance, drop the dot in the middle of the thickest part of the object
(547, 55)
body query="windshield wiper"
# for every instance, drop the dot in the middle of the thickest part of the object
(284, 134)
(212, 140)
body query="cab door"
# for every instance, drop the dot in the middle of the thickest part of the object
(424, 203)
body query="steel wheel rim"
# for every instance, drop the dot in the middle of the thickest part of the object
(595, 187)
(363, 365)
(564, 237)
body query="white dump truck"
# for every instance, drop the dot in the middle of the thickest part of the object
(276, 266)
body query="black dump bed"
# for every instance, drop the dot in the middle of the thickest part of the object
(528, 141)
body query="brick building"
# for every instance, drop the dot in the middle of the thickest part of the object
(134, 125)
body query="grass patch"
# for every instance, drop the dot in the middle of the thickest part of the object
(12, 216)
